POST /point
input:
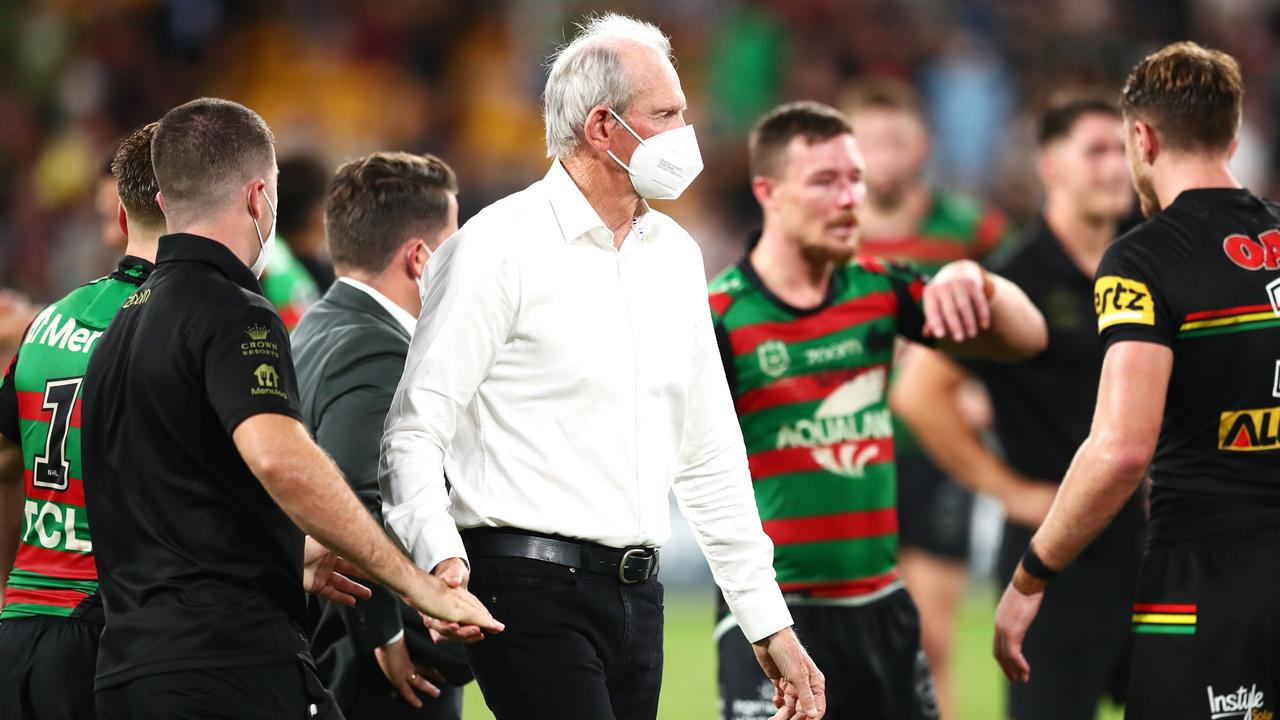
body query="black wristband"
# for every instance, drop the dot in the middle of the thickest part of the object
(1035, 567)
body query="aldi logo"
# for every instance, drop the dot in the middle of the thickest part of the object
(1249, 430)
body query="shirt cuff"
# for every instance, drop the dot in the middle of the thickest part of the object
(394, 638)
(761, 612)
(438, 542)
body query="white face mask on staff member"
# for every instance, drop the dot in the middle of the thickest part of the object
(663, 165)
(266, 246)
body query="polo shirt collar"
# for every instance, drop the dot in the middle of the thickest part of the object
(575, 215)
(185, 247)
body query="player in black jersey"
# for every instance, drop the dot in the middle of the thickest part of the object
(1188, 309)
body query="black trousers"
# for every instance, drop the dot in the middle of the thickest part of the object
(46, 668)
(870, 655)
(270, 692)
(577, 645)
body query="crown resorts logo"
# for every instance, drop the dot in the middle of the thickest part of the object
(257, 332)
(844, 428)
(258, 344)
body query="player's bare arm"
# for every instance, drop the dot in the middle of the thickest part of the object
(11, 497)
(973, 312)
(927, 397)
(311, 490)
(1105, 472)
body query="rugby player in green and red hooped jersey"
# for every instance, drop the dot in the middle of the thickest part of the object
(908, 219)
(807, 340)
(52, 615)
(1187, 308)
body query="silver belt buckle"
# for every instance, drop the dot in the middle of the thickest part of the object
(632, 553)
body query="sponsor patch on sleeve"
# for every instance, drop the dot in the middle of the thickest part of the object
(1121, 301)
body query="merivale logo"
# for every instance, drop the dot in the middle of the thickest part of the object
(1244, 704)
(842, 424)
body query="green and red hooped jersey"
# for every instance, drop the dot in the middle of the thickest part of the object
(288, 285)
(54, 573)
(811, 391)
(956, 228)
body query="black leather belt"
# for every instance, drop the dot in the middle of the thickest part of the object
(628, 565)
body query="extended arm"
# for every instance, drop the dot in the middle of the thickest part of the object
(974, 312)
(1104, 474)
(310, 489)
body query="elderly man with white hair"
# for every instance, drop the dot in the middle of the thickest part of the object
(565, 377)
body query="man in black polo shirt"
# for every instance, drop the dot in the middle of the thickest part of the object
(200, 467)
(1042, 413)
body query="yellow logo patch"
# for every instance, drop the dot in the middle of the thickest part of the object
(1249, 430)
(1121, 301)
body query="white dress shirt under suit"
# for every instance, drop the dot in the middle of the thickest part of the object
(565, 387)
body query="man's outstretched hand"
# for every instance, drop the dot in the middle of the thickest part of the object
(799, 686)
(326, 575)
(455, 574)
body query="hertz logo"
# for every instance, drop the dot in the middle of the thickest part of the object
(1249, 430)
(1119, 300)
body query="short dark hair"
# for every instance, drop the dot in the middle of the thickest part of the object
(772, 134)
(1190, 94)
(135, 181)
(1066, 108)
(303, 185)
(204, 150)
(378, 201)
(882, 92)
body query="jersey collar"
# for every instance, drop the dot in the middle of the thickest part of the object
(185, 247)
(133, 270)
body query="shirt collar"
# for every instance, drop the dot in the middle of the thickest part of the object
(133, 270)
(575, 215)
(402, 316)
(180, 247)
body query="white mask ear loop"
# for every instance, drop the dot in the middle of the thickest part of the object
(633, 134)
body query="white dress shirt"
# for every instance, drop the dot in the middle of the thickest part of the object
(565, 387)
(399, 314)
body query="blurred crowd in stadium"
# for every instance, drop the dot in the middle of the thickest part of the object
(336, 79)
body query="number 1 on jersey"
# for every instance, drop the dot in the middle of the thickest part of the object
(51, 469)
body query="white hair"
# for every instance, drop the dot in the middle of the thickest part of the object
(588, 72)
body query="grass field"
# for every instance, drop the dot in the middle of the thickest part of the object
(689, 691)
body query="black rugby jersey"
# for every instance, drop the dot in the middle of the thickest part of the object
(1203, 278)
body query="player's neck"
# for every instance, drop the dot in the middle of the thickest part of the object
(142, 242)
(901, 217)
(1083, 238)
(609, 193)
(783, 268)
(1181, 172)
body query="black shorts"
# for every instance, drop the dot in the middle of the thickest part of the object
(46, 668)
(934, 513)
(1206, 631)
(266, 692)
(1078, 646)
(870, 655)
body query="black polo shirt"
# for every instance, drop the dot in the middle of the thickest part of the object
(1044, 406)
(199, 567)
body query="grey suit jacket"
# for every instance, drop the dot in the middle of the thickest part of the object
(350, 354)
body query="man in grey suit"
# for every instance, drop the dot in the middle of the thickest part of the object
(386, 214)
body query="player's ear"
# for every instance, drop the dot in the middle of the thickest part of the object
(1044, 168)
(416, 252)
(762, 188)
(122, 218)
(160, 200)
(1148, 141)
(1235, 145)
(257, 188)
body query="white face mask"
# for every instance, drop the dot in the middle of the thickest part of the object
(267, 246)
(664, 165)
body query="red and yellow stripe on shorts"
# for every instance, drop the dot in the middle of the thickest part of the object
(1164, 619)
